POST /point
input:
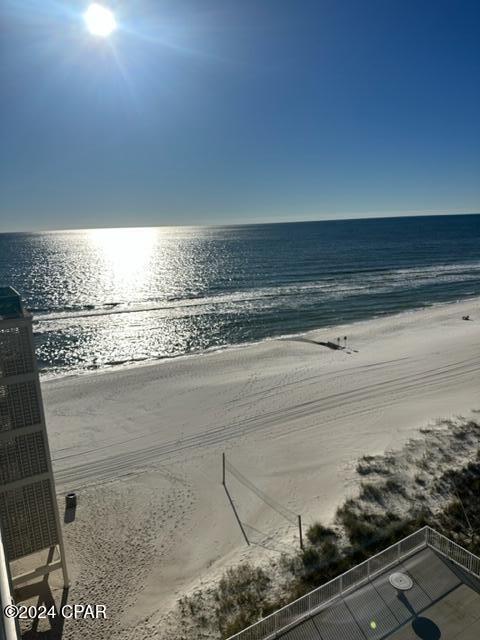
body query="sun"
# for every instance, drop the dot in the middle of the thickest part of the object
(100, 20)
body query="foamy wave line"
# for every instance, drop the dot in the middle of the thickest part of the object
(330, 288)
(75, 370)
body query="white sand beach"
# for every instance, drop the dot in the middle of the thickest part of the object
(143, 449)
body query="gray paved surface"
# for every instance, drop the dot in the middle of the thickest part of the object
(444, 604)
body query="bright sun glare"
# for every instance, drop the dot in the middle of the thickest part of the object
(100, 20)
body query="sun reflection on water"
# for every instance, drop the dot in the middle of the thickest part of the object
(126, 255)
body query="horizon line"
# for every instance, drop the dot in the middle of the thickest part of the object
(346, 217)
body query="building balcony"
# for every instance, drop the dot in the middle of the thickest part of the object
(424, 587)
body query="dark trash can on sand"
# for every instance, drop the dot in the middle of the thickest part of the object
(71, 500)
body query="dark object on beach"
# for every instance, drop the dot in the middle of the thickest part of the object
(71, 500)
(329, 344)
(465, 317)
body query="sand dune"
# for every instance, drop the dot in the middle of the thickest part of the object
(143, 446)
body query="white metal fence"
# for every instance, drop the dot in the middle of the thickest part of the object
(8, 627)
(453, 552)
(291, 614)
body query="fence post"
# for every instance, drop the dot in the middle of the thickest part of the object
(300, 531)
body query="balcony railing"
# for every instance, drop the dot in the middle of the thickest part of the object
(292, 614)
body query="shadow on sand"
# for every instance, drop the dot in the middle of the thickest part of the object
(335, 346)
(69, 515)
(41, 590)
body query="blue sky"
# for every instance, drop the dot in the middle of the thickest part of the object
(228, 111)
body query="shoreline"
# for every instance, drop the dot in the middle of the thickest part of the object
(142, 446)
(47, 375)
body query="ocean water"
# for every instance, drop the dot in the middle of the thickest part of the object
(107, 297)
